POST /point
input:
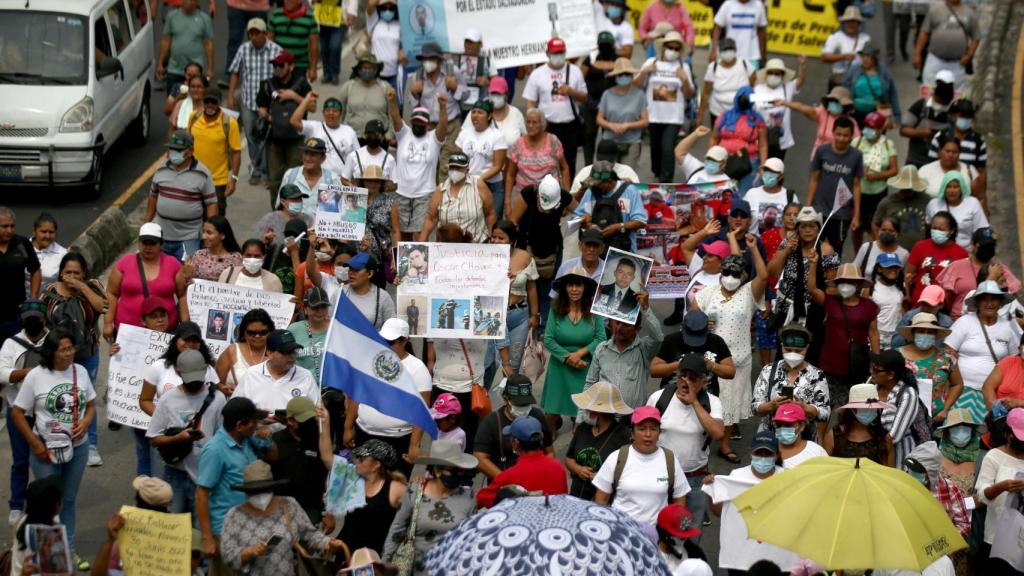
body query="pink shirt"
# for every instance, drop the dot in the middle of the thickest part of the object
(129, 303)
(744, 135)
(825, 122)
(533, 164)
(676, 15)
(250, 5)
(961, 276)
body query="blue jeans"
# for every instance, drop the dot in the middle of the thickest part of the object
(696, 501)
(510, 79)
(331, 39)
(178, 248)
(517, 326)
(491, 363)
(19, 464)
(70, 479)
(143, 453)
(92, 366)
(257, 152)
(237, 20)
(498, 197)
(183, 498)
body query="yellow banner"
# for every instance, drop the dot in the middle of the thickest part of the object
(794, 26)
(155, 543)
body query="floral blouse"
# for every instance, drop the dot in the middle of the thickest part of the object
(935, 368)
(435, 518)
(787, 286)
(810, 387)
(208, 267)
(378, 225)
(242, 530)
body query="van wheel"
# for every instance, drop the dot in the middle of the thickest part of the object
(92, 191)
(138, 130)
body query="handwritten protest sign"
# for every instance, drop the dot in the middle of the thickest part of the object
(341, 212)
(453, 290)
(140, 348)
(218, 309)
(155, 543)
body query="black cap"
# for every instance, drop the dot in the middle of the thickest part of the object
(727, 43)
(212, 93)
(458, 159)
(289, 191)
(187, 330)
(282, 341)
(240, 409)
(694, 362)
(695, 328)
(962, 107)
(314, 145)
(889, 360)
(430, 50)
(983, 236)
(519, 390)
(375, 127)
(316, 297)
(591, 236)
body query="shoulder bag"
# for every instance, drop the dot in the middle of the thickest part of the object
(480, 400)
(534, 364)
(404, 557)
(178, 451)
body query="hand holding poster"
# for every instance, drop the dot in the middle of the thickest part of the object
(155, 543)
(453, 290)
(50, 550)
(140, 348)
(341, 212)
(218, 310)
(623, 277)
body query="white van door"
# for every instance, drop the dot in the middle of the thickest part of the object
(108, 89)
(128, 49)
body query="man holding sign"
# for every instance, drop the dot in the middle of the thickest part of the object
(836, 168)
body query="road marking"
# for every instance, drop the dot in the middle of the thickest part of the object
(129, 192)
(1017, 134)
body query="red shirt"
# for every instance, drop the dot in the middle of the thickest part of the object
(533, 471)
(659, 214)
(931, 259)
(835, 355)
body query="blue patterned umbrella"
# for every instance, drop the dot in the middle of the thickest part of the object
(547, 536)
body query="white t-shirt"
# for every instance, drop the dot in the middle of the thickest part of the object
(175, 409)
(385, 41)
(762, 204)
(643, 486)
(666, 103)
(542, 82)
(973, 356)
(480, 147)
(811, 450)
(48, 395)
(870, 251)
(840, 43)
(340, 141)
(969, 217)
(623, 31)
(740, 20)
(682, 433)
(778, 115)
(725, 82)
(360, 158)
(889, 300)
(166, 378)
(247, 281)
(373, 422)
(269, 393)
(417, 161)
(933, 173)
(451, 373)
(941, 567)
(513, 126)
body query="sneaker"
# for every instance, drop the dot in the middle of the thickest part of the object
(736, 434)
(13, 517)
(82, 565)
(94, 457)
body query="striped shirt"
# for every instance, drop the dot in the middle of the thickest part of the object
(181, 199)
(253, 66)
(293, 34)
(973, 150)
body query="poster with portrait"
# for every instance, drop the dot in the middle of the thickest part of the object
(218, 309)
(623, 276)
(49, 548)
(453, 290)
(139, 349)
(341, 212)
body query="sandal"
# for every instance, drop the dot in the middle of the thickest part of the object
(730, 456)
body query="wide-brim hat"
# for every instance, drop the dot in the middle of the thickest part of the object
(448, 453)
(840, 94)
(958, 416)
(603, 397)
(848, 272)
(776, 64)
(864, 396)
(371, 172)
(364, 557)
(851, 13)
(908, 179)
(258, 478)
(622, 66)
(576, 272)
(671, 36)
(923, 321)
(660, 30)
(988, 288)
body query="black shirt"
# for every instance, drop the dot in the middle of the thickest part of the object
(305, 472)
(542, 231)
(490, 429)
(921, 115)
(281, 110)
(673, 348)
(590, 451)
(597, 80)
(19, 258)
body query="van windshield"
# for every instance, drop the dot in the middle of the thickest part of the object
(42, 48)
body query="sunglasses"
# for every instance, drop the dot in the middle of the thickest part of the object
(733, 273)
(600, 175)
(256, 333)
(739, 214)
(279, 65)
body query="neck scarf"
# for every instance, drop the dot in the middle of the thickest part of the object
(956, 455)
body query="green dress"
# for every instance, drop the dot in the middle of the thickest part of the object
(561, 338)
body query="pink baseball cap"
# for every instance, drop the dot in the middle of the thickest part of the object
(932, 295)
(718, 248)
(789, 412)
(445, 405)
(1015, 420)
(498, 85)
(649, 413)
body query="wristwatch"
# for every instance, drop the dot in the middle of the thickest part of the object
(622, 227)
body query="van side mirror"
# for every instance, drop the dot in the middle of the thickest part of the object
(108, 66)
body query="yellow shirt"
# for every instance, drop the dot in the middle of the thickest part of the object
(210, 148)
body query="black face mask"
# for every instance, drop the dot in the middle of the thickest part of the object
(309, 431)
(944, 92)
(373, 142)
(451, 481)
(606, 51)
(1016, 445)
(193, 387)
(33, 326)
(985, 252)
(887, 238)
(419, 130)
(744, 102)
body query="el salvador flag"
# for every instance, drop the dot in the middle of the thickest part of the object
(359, 362)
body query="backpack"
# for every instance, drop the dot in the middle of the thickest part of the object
(920, 429)
(69, 315)
(703, 398)
(30, 358)
(620, 465)
(606, 212)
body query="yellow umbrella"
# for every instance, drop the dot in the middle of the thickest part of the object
(847, 513)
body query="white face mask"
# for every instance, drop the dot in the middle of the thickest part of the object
(793, 359)
(252, 265)
(341, 273)
(518, 411)
(671, 55)
(260, 501)
(847, 290)
(322, 256)
(557, 60)
(429, 66)
(457, 177)
(498, 100)
(730, 283)
(728, 55)
(773, 81)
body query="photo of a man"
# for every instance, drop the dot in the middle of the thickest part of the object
(217, 325)
(624, 275)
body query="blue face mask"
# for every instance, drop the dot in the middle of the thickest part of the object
(835, 108)
(964, 124)
(924, 341)
(294, 208)
(923, 479)
(786, 436)
(960, 436)
(712, 167)
(867, 416)
(869, 133)
(623, 79)
(762, 464)
(770, 179)
(940, 236)
(614, 12)
(387, 15)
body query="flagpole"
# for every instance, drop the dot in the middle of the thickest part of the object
(822, 231)
(323, 357)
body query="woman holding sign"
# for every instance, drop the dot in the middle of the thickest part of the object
(382, 223)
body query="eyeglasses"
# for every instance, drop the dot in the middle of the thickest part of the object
(257, 333)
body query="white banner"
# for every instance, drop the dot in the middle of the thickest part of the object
(140, 348)
(341, 212)
(218, 309)
(453, 290)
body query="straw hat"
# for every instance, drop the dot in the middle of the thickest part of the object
(660, 29)
(958, 416)
(839, 94)
(923, 321)
(864, 396)
(671, 36)
(257, 478)
(851, 13)
(808, 214)
(907, 179)
(777, 65)
(848, 272)
(622, 66)
(602, 397)
(371, 172)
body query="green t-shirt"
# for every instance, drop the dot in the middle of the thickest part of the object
(876, 159)
(187, 32)
(292, 34)
(312, 351)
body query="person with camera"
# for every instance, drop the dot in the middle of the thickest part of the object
(792, 380)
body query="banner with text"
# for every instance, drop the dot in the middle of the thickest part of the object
(341, 212)
(140, 348)
(218, 309)
(453, 290)
(515, 32)
(155, 543)
(793, 27)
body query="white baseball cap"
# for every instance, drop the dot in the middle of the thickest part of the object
(549, 192)
(256, 24)
(474, 35)
(151, 230)
(394, 328)
(717, 153)
(775, 165)
(945, 76)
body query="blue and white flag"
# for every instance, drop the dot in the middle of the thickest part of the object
(359, 362)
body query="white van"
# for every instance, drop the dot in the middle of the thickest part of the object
(74, 76)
